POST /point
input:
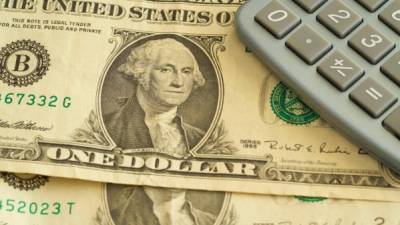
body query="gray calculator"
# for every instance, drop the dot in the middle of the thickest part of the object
(341, 56)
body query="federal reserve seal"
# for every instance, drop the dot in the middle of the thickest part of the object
(24, 182)
(23, 62)
(288, 107)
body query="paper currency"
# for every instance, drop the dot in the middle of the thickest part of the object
(162, 93)
(66, 202)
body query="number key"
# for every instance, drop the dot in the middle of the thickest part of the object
(310, 5)
(391, 68)
(371, 5)
(391, 16)
(371, 44)
(277, 19)
(339, 18)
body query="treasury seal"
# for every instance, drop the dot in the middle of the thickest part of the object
(310, 199)
(288, 107)
(23, 62)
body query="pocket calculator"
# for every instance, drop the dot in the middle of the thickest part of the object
(342, 57)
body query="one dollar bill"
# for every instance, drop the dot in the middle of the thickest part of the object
(27, 200)
(162, 93)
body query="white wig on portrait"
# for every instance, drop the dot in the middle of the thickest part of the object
(140, 61)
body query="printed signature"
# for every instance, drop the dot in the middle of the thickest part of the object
(339, 221)
(323, 148)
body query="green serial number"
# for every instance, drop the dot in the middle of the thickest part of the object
(37, 208)
(35, 100)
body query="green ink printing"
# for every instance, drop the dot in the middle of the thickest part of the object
(289, 108)
(310, 199)
(36, 100)
(37, 208)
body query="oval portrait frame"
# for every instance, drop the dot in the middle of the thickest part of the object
(224, 208)
(389, 176)
(208, 56)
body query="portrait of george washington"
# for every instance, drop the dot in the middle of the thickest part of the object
(162, 75)
(143, 205)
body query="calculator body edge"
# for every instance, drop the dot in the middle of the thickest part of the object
(383, 145)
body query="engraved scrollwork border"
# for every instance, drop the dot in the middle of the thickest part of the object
(270, 171)
(20, 152)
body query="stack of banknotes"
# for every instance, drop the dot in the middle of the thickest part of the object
(147, 112)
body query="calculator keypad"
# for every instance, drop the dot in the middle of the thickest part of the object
(307, 44)
(339, 18)
(392, 122)
(371, 5)
(351, 48)
(340, 70)
(310, 5)
(371, 44)
(391, 68)
(372, 97)
(391, 16)
(277, 19)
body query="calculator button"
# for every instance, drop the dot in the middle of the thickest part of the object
(392, 122)
(371, 5)
(310, 5)
(391, 68)
(340, 71)
(308, 45)
(339, 18)
(372, 97)
(371, 44)
(277, 19)
(391, 16)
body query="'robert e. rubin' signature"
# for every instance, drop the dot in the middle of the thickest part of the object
(322, 148)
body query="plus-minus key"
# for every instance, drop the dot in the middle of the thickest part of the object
(339, 70)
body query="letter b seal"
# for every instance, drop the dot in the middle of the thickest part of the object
(23, 62)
